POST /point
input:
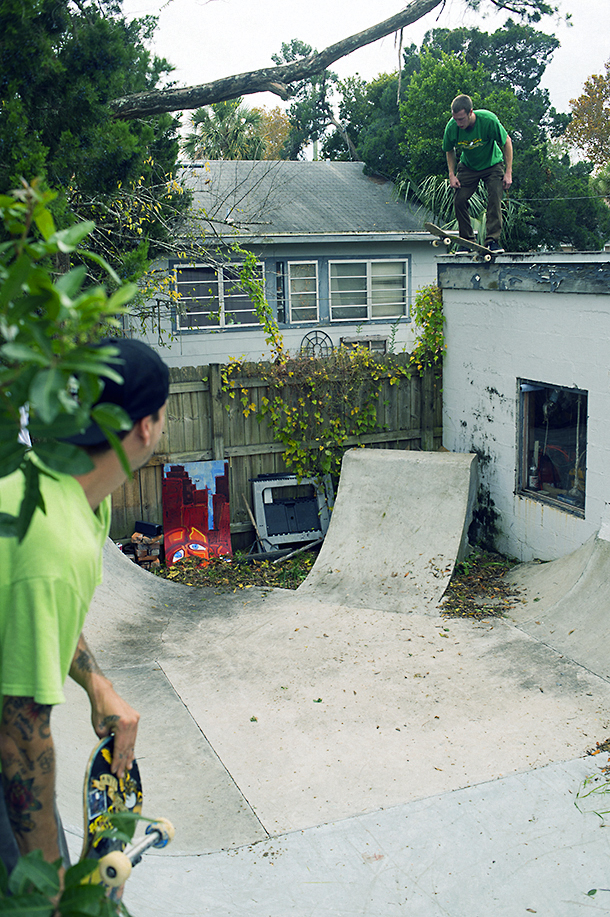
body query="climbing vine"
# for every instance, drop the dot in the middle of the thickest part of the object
(429, 321)
(318, 407)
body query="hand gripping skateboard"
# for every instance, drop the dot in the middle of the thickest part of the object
(480, 252)
(105, 795)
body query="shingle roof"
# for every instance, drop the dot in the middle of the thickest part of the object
(283, 197)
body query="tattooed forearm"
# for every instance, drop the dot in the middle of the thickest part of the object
(27, 717)
(22, 800)
(28, 773)
(84, 662)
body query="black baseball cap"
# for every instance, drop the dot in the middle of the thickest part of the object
(144, 389)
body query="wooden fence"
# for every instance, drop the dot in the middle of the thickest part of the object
(203, 423)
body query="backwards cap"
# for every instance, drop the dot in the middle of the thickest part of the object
(144, 390)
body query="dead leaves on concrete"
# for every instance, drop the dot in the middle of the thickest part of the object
(478, 587)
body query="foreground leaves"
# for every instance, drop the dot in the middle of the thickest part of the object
(48, 366)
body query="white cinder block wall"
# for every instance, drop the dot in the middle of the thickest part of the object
(545, 319)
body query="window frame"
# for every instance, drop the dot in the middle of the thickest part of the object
(222, 280)
(552, 481)
(369, 305)
(292, 319)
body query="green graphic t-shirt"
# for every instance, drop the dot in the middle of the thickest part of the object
(479, 146)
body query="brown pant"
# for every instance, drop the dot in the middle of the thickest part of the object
(469, 181)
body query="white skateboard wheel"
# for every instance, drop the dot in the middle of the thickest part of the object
(115, 869)
(166, 830)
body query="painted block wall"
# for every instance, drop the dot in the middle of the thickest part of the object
(525, 318)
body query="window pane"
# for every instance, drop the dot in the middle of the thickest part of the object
(349, 312)
(348, 288)
(554, 443)
(238, 307)
(303, 292)
(198, 305)
(388, 289)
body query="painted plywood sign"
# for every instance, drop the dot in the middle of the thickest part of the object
(196, 516)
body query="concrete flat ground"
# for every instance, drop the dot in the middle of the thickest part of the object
(318, 756)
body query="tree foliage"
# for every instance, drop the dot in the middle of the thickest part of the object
(310, 111)
(275, 127)
(278, 79)
(551, 201)
(61, 63)
(589, 129)
(424, 111)
(227, 130)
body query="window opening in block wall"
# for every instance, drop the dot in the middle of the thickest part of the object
(553, 444)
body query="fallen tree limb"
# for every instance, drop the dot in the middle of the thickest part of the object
(271, 79)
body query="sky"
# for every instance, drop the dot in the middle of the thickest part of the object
(209, 39)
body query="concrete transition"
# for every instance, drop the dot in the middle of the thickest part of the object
(567, 603)
(323, 752)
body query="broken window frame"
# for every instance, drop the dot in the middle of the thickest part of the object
(552, 422)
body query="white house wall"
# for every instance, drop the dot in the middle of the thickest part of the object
(219, 345)
(535, 318)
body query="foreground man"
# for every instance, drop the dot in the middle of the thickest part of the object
(46, 585)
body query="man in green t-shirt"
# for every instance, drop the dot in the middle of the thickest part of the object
(46, 584)
(478, 149)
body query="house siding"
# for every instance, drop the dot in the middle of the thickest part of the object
(217, 345)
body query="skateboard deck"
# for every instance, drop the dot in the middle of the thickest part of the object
(480, 252)
(105, 795)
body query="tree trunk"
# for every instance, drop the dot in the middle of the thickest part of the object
(271, 79)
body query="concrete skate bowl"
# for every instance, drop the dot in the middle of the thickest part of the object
(271, 712)
(566, 604)
(398, 527)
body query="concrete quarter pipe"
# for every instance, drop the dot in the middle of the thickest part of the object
(398, 527)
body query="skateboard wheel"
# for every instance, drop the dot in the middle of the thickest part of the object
(487, 258)
(165, 829)
(115, 869)
(448, 241)
(436, 243)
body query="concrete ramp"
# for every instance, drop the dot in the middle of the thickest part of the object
(566, 604)
(398, 527)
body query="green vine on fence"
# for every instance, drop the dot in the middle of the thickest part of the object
(316, 406)
(429, 322)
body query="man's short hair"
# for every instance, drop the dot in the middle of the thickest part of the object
(461, 103)
(143, 392)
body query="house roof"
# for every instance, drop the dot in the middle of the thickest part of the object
(283, 198)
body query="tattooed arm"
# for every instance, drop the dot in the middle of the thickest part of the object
(28, 774)
(109, 712)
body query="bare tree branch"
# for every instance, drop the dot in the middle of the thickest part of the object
(271, 79)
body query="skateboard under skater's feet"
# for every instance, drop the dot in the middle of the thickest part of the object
(480, 252)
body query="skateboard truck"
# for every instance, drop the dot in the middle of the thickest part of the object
(115, 868)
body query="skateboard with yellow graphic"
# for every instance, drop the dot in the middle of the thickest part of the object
(105, 795)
